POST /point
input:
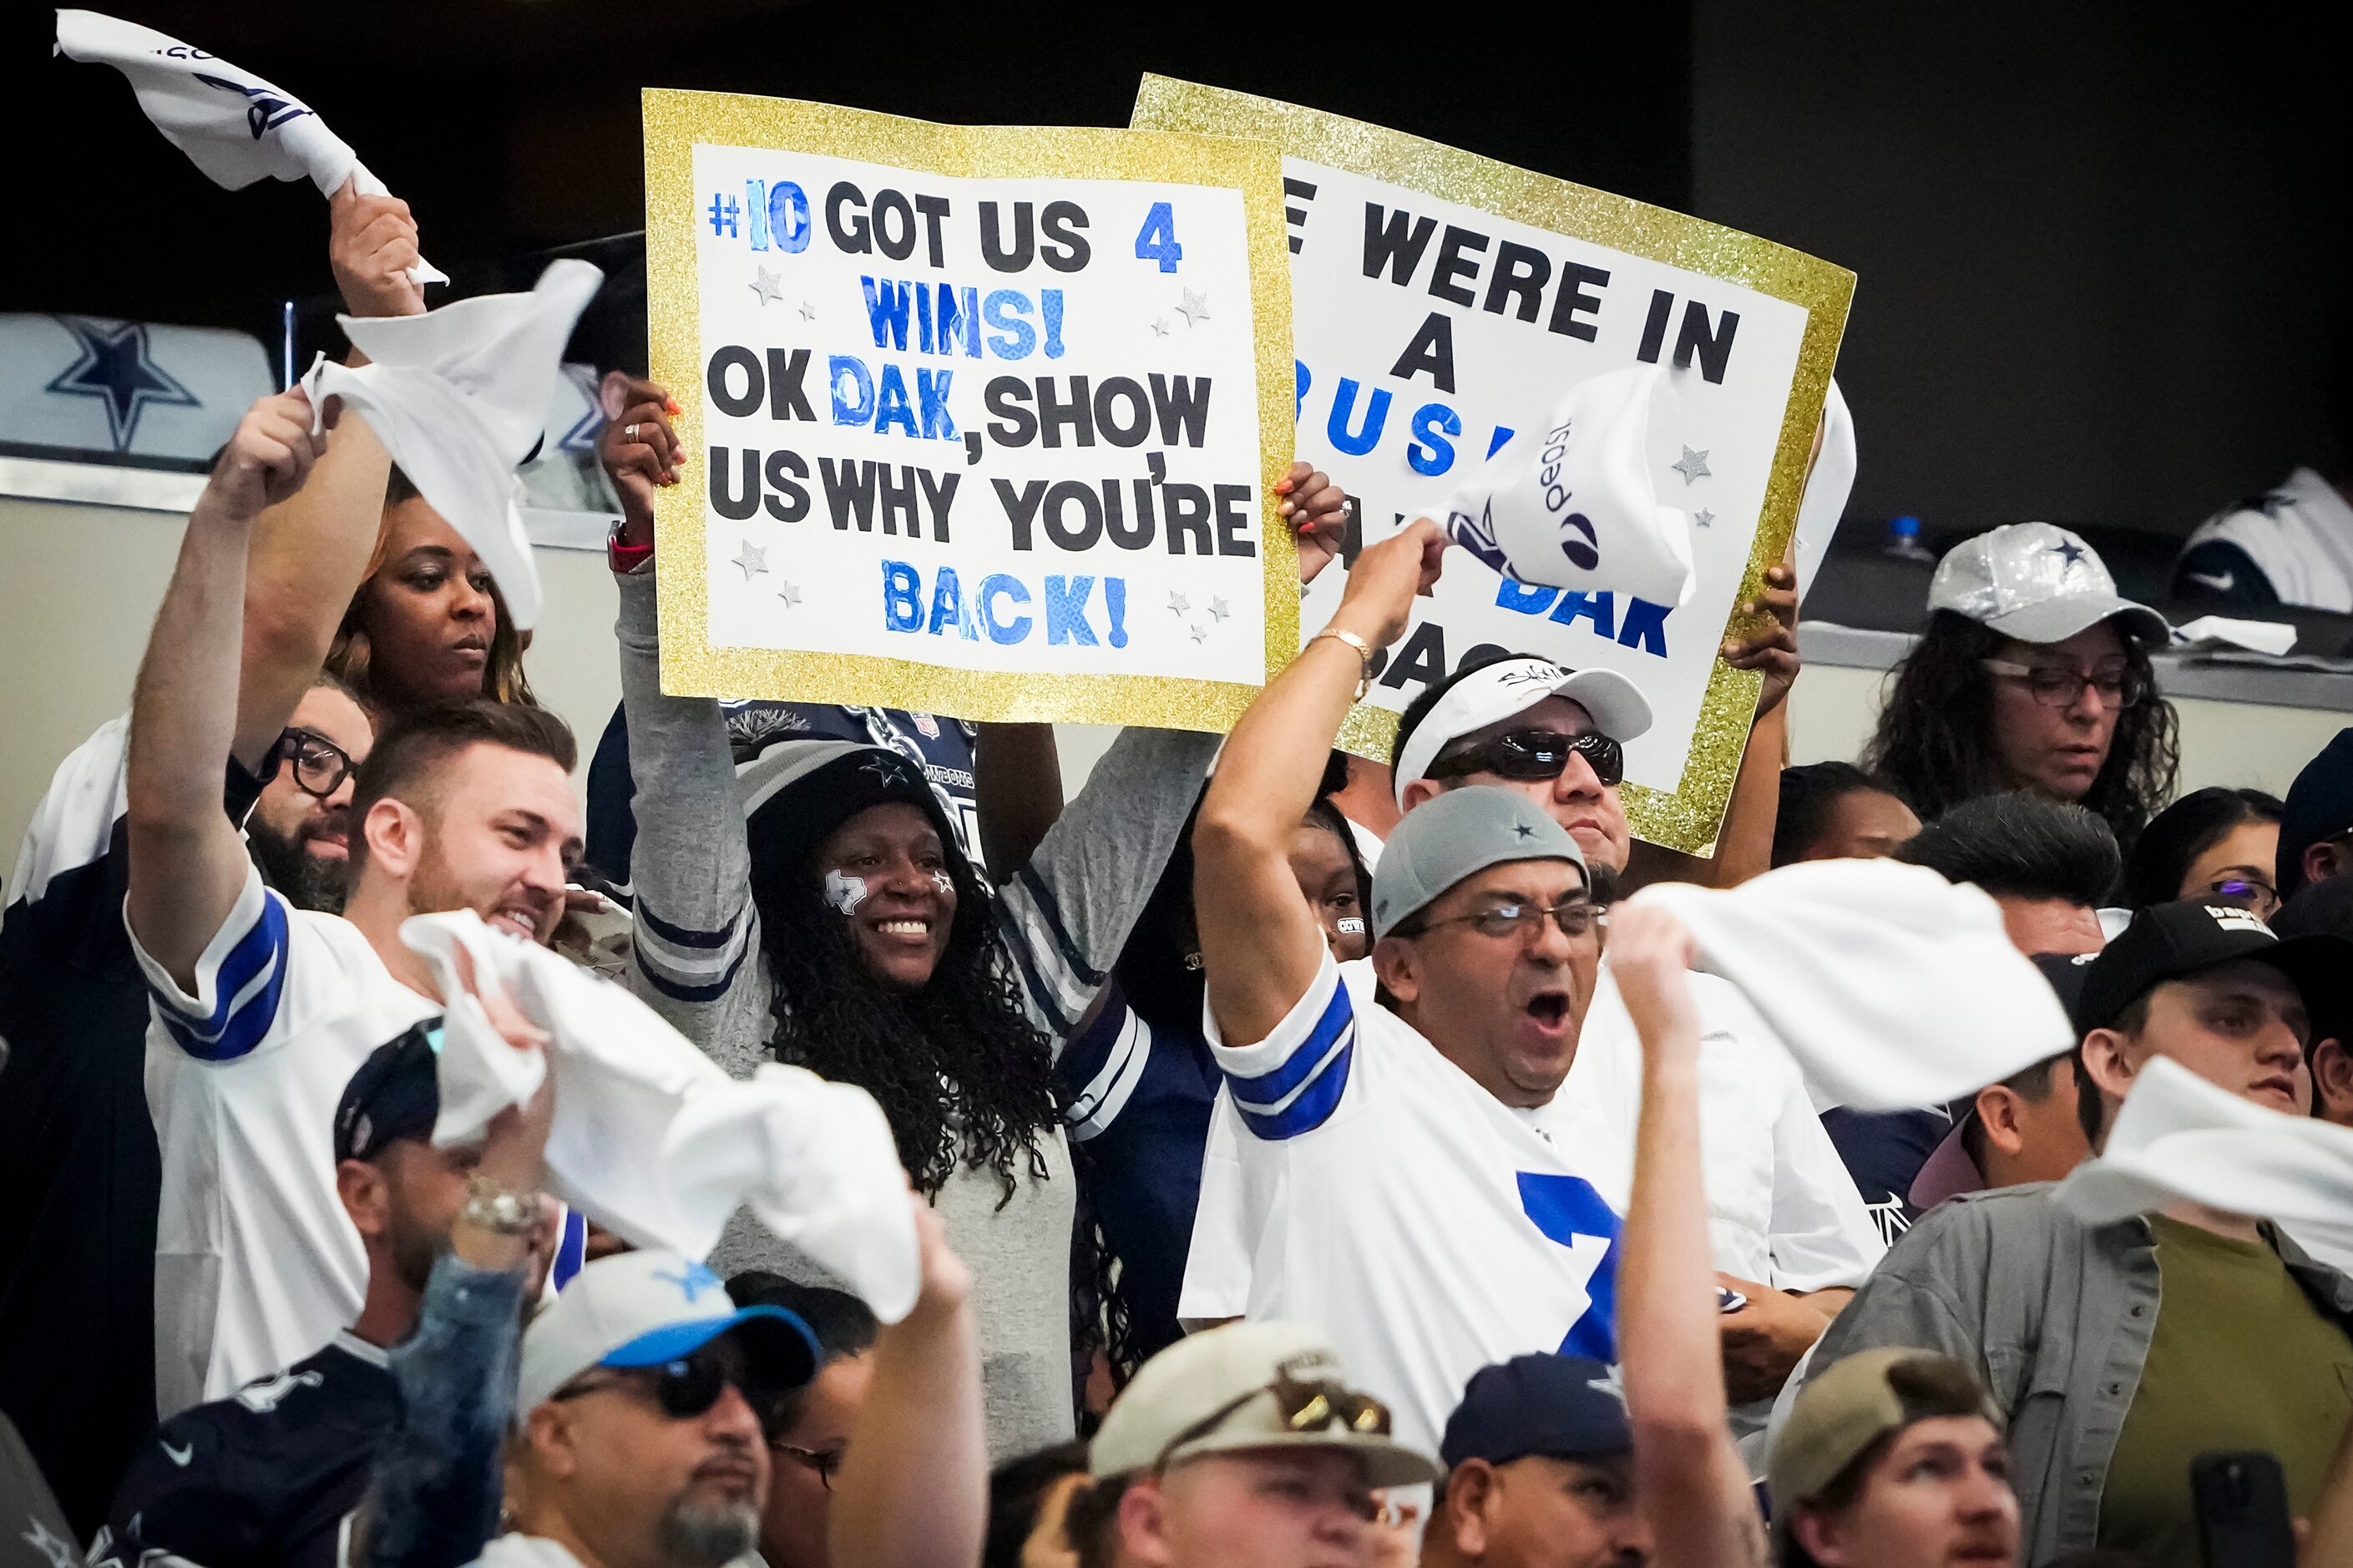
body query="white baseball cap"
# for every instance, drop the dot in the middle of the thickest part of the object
(2037, 582)
(644, 1309)
(1223, 1391)
(1494, 692)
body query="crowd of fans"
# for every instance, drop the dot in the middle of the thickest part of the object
(1308, 1162)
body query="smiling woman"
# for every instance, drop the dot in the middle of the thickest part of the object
(427, 625)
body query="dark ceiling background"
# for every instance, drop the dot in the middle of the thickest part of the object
(2105, 250)
(513, 125)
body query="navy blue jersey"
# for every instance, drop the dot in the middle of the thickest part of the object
(941, 747)
(77, 1157)
(1138, 1120)
(264, 1478)
(1883, 1151)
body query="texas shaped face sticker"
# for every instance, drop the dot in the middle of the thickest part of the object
(844, 893)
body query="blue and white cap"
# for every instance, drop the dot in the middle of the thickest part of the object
(644, 1309)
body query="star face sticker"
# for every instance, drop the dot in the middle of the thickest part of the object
(1704, 518)
(1177, 603)
(791, 594)
(1218, 609)
(763, 284)
(1201, 633)
(2073, 554)
(1159, 326)
(809, 311)
(114, 368)
(1691, 464)
(1195, 310)
(752, 558)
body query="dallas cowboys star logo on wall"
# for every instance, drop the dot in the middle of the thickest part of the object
(114, 367)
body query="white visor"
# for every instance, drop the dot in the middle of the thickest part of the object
(1495, 693)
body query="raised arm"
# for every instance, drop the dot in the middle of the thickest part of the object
(1017, 773)
(310, 553)
(1260, 944)
(187, 864)
(912, 1491)
(696, 934)
(1687, 1473)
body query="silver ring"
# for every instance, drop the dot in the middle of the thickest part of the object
(629, 432)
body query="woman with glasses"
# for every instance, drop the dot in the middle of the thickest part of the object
(2209, 844)
(2033, 674)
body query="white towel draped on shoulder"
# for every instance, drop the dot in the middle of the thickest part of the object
(2179, 1137)
(459, 396)
(1891, 986)
(231, 123)
(651, 1140)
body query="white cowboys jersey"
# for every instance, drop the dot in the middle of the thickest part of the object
(2291, 545)
(257, 1264)
(1423, 1226)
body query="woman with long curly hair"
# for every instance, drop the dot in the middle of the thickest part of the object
(2033, 674)
(816, 911)
(427, 625)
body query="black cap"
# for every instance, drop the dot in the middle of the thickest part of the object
(2320, 808)
(396, 1094)
(2066, 973)
(1559, 1406)
(2317, 908)
(2166, 941)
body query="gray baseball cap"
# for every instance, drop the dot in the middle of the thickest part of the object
(2039, 584)
(1460, 834)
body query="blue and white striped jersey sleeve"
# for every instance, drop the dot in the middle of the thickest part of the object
(1102, 1066)
(240, 979)
(1293, 1081)
(690, 965)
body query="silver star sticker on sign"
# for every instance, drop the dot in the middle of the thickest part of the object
(1218, 608)
(752, 558)
(1704, 518)
(1200, 634)
(1176, 603)
(1195, 310)
(791, 594)
(763, 284)
(1159, 326)
(809, 311)
(1690, 465)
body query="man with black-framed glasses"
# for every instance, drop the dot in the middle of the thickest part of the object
(298, 832)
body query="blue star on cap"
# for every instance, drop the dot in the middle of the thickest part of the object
(693, 1282)
(1521, 830)
(2071, 553)
(114, 368)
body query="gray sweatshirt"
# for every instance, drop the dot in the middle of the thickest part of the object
(1060, 921)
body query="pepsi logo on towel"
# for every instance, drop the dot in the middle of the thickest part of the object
(1462, 329)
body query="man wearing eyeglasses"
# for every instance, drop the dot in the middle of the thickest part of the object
(1241, 1446)
(1792, 1233)
(298, 832)
(1406, 1176)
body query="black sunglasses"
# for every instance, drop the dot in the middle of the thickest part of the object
(684, 1388)
(321, 767)
(1531, 756)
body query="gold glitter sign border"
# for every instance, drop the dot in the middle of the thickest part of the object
(675, 122)
(1687, 818)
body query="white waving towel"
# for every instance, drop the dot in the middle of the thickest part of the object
(2179, 1137)
(651, 1140)
(1891, 986)
(232, 124)
(1575, 507)
(1827, 490)
(459, 397)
